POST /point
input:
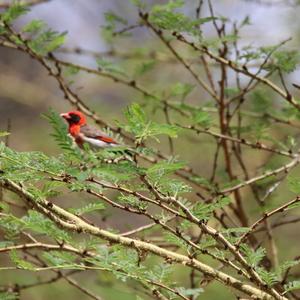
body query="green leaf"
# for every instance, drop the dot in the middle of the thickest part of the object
(236, 230)
(160, 273)
(294, 205)
(40, 224)
(170, 6)
(142, 128)
(190, 292)
(293, 285)
(260, 101)
(202, 181)
(171, 238)
(91, 207)
(112, 21)
(144, 67)
(287, 61)
(13, 12)
(135, 115)
(20, 263)
(294, 184)
(246, 21)
(77, 186)
(231, 91)
(174, 187)
(11, 225)
(112, 17)
(132, 201)
(140, 5)
(121, 172)
(203, 211)
(50, 189)
(9, 296)
(55, 42)
(182, 90)
(202, 118)
(110, 67)
(206, 20)
(172, 21)
(166, 129)
(34, 26)
(57, 258)
(60, 134)
(71, 70)
(222, 202)
(157, 175)
(3, 30)
(286, 265)
(229, 38)
(165, 17)
(4, 244)
(165, 167)
(270, 278)
(253, 257)
(29, 166)
(4, 133)
(47, 41)
(260, 130)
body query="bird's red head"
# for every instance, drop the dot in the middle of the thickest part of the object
(76, 118)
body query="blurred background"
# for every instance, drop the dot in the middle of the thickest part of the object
(27, 92)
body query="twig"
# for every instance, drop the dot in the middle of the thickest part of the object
(281, 209)
(178, 57)
(257, 145)
(73, 223)
(285, 168)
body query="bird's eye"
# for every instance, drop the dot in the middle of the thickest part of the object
(74, 118)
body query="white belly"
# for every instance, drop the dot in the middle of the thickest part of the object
(97, 143)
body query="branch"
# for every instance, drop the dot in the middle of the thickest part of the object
(71, 222)
(244, 70)
(280, 209)
(206, 87)
(43, 246)
(285, 168)
(242, 141)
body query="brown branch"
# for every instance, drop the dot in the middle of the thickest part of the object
(285, 168)
(43, 246)
(71, 222)
(280, 209)
(144, 17)
(79, 286)
(257, 145)
(244, 70)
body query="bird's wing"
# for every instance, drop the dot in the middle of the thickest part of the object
(94, 133)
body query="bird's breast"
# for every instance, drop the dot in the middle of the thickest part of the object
(74, 130)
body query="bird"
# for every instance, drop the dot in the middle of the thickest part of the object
(82, 133)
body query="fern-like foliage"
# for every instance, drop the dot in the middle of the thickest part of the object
(61, 136)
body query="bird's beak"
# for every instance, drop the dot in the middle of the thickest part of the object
(65, 116)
